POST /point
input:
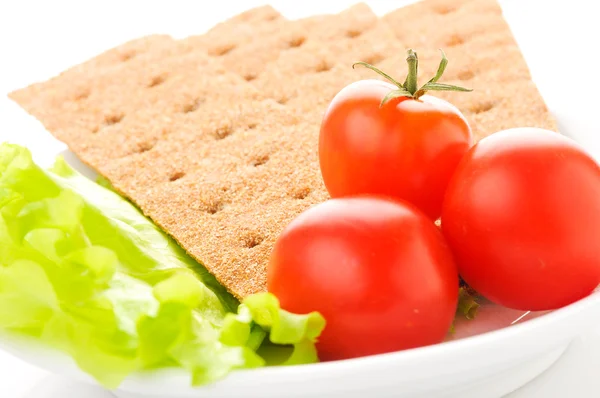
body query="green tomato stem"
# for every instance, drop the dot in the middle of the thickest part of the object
(441, 68)
(410, 86)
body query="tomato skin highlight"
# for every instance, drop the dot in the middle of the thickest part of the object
(379, 271)
(522, 216)
(406, 149)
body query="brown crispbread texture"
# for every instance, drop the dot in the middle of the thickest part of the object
(64, 92)
(249, 60)
(97, 93)
(308, 77)
(148, 82)
(215, 136)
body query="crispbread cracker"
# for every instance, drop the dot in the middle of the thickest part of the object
(100, 91)
(320, 68)
(113, 94)
(250, 60)
(215, 137)
(76, 84)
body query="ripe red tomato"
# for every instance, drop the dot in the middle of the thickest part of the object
(522, 215)
(405, 149)
(378, 271)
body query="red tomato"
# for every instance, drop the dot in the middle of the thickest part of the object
(378, 271)
(406, 149)
(522, 215)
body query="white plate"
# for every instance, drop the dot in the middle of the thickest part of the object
(573, 375)
(487, 365)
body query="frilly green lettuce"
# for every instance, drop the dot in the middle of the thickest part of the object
(82, 270)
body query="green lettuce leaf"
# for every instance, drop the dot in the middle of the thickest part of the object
(467, 303)
(82, 270)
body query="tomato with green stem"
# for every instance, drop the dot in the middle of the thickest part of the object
(391, 139)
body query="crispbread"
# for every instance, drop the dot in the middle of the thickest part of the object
(215, 137)
(48, 99)
(250, 60)
(319, 69)
(113, 94)
(97, 93)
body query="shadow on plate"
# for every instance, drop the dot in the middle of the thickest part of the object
(490, 317)
(78, 165)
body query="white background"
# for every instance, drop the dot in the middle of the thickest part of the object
(40, 39)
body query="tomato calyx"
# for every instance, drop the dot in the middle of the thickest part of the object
(410, 87)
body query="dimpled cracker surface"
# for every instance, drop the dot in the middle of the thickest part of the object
(483, 55)
(215, 136)
(109, 91)
(102, 91)
(250, 60)
(308, 77)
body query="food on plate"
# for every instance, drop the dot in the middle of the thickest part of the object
(522, 216)
(82, 270)
(379, 271)
(234, 164)
(391, 139)
(208, 138)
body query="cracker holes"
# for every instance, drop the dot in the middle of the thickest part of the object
(252, 126)
(259, 160)
(252, 239)
(191, 106)
(126, 56)
(297, 42)
(283, 100)
(444, 9)
(113, 118)
(250, 76)
(271, 17)
(301, 193)
(82, 94)
(219, 52)
(223, 132)
(214, 207)
(145, 147)
(455, 40)
(323, 66)
(351, 34)
(177, 175)
(374, 59)
(165, 131)
(482, 107)
(466, 74)
(157, 81)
